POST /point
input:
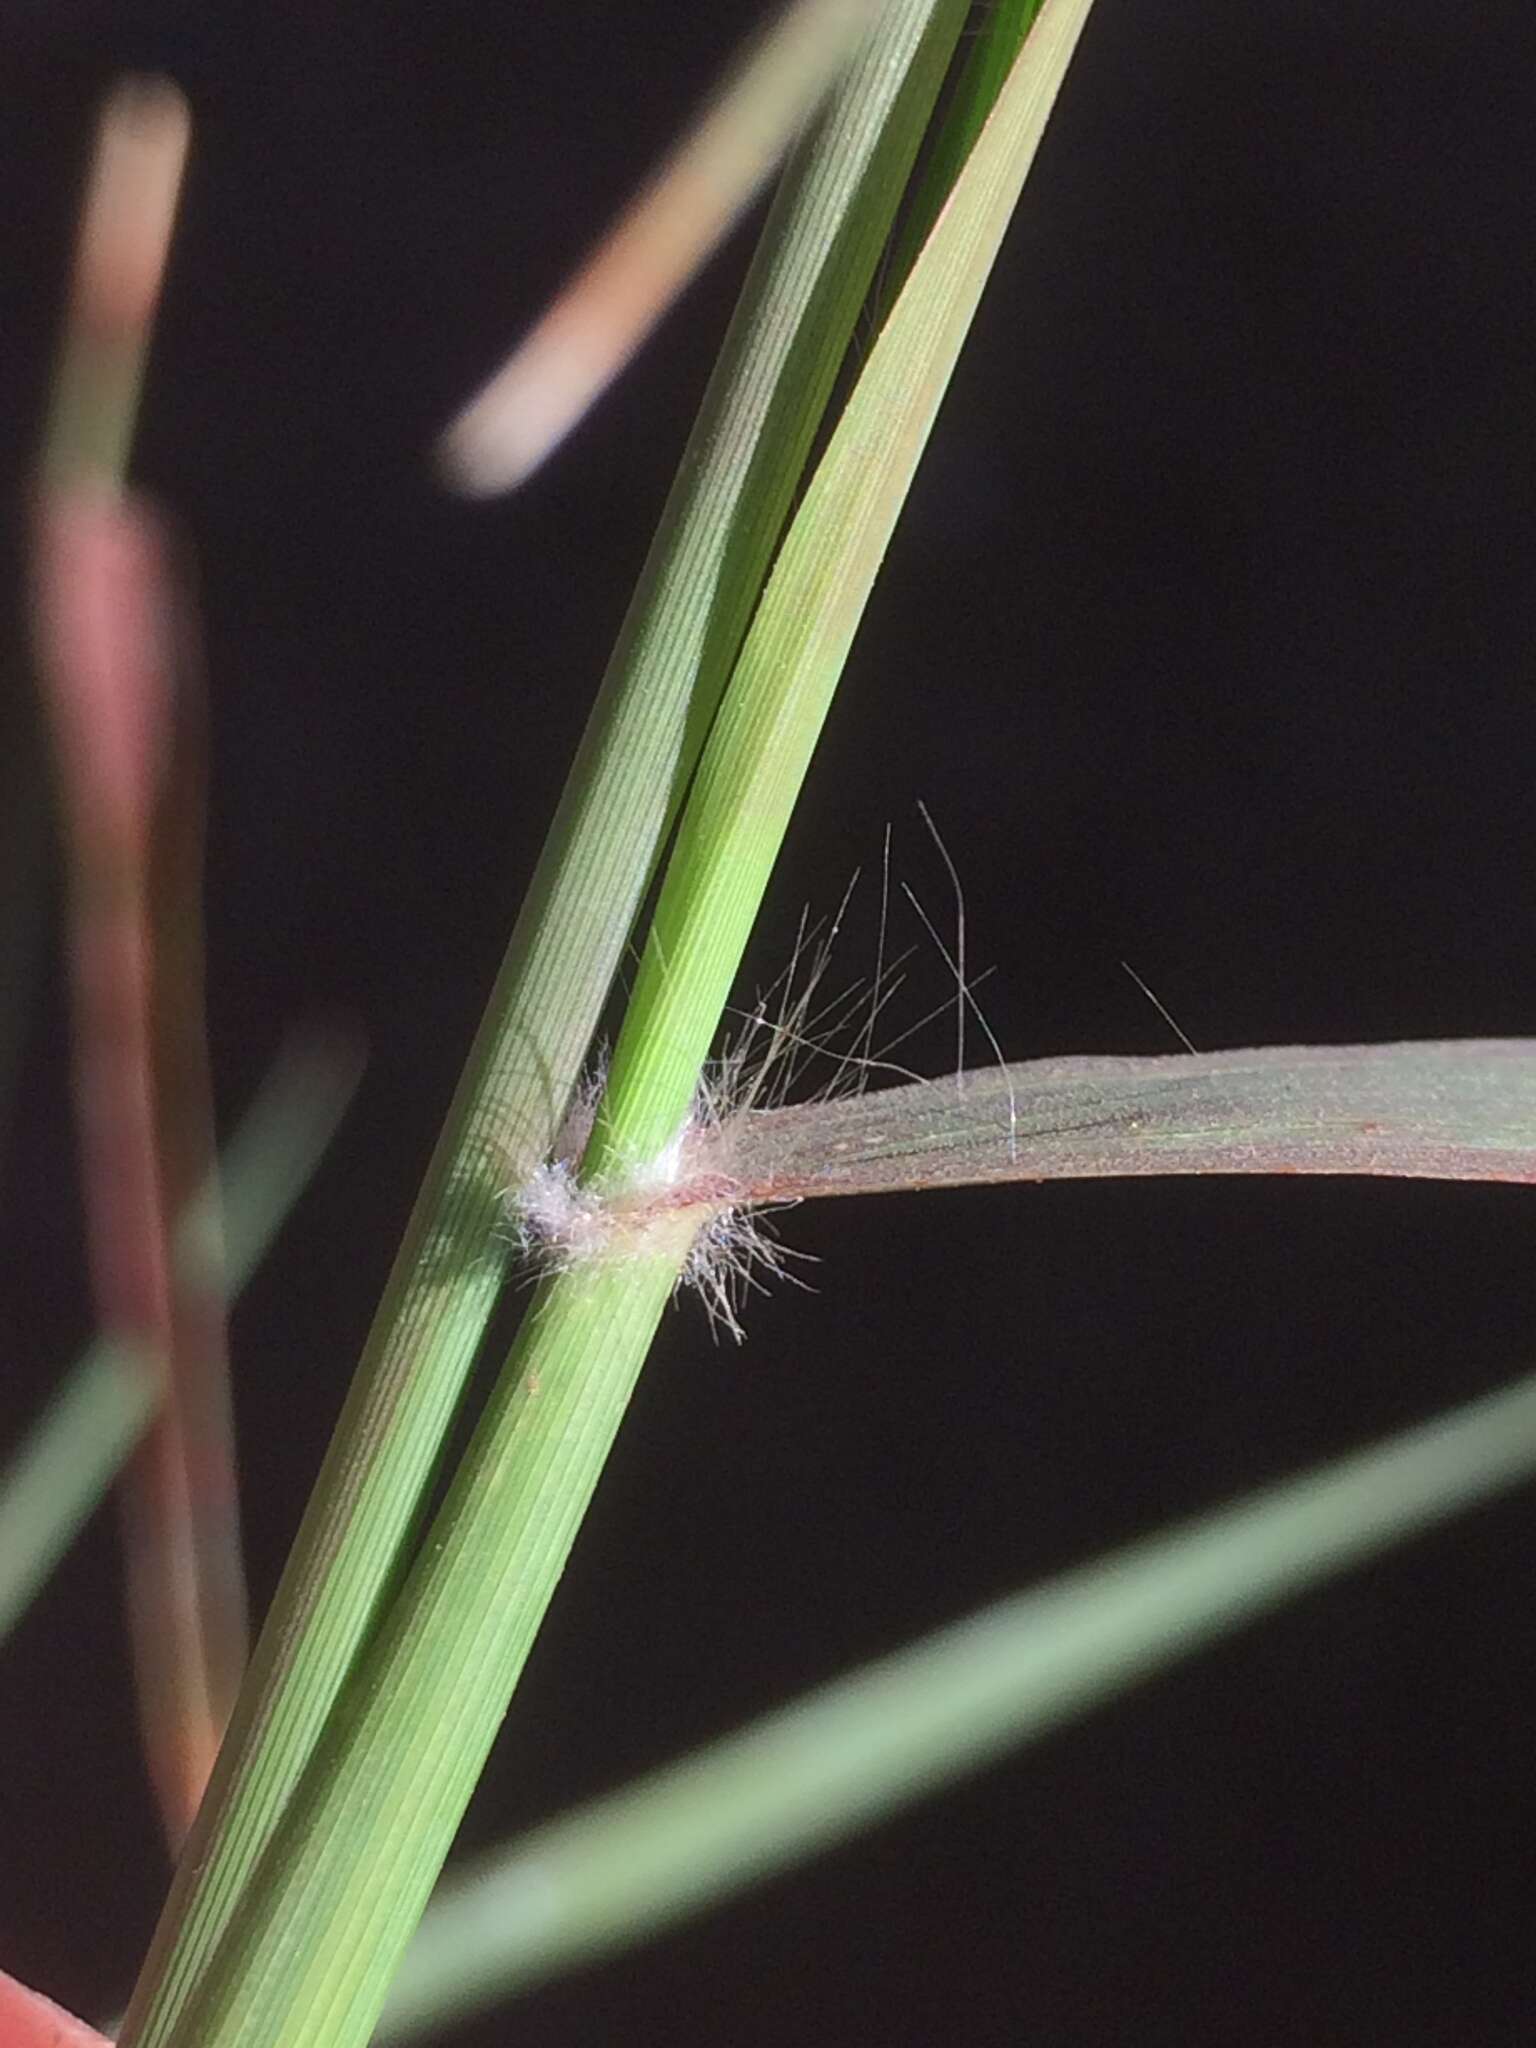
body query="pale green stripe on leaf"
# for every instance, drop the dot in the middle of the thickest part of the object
(1000, 30)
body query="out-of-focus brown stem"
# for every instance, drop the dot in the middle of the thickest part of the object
(102, 608)
(113, 639)
(184, 1098)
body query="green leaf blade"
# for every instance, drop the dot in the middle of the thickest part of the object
(315, 1936)
(701, 579)
(761, 744)
(601, 1879)
(1456, 1110)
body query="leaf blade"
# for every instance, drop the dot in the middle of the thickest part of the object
(600, 1879)
(696, 592)
(1449, 1110)
(760, 746)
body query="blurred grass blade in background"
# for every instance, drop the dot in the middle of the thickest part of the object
(64, 1467)
(129, 210)
(106, 662)
(196, 1602)
(607, 1876)
(596, 323)
(24, 834)
(116, 671)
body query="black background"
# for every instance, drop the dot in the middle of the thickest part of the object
(1205, 639)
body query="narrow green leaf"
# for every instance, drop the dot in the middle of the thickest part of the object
(603, 1878)
(761, 742)
(317, 1931)
(1462, 1110)
(737, 476)
(331, 1899)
